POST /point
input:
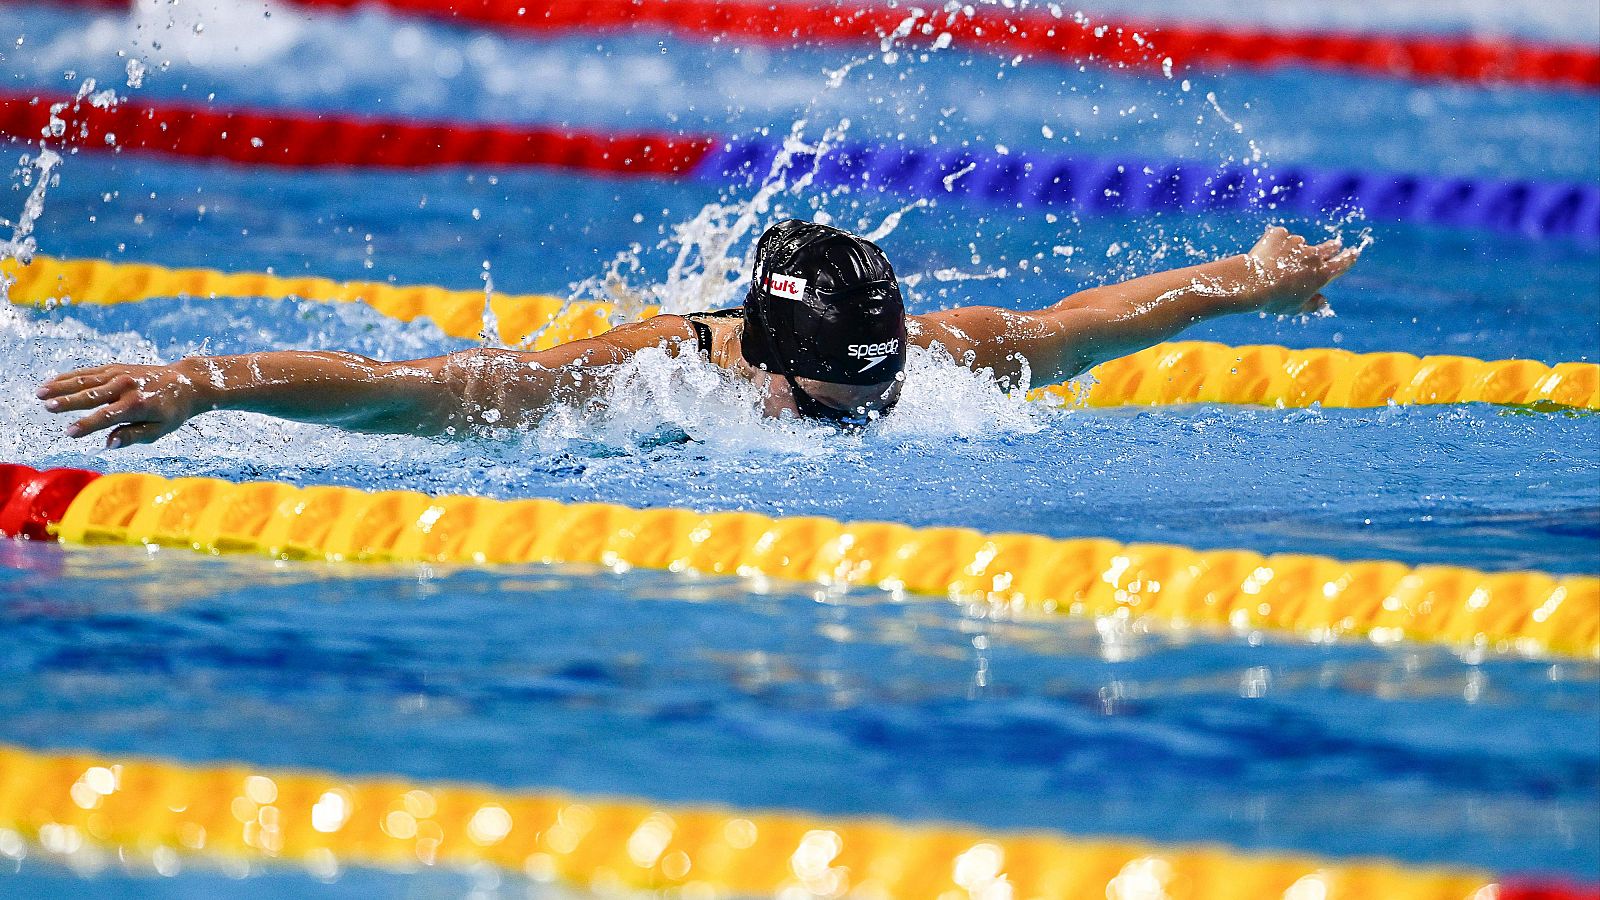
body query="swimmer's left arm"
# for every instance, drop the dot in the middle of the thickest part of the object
(1282, 274)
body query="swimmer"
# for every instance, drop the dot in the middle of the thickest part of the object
(822, 333)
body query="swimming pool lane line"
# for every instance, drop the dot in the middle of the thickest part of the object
(537, 321)
(1269, 375)
(1135, 185)
(1315, 596)
(309, 138)
(1076, 184)
(1150, 47)
(159, 813)
(1175, 372)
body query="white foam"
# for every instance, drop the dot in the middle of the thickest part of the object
(656, 394)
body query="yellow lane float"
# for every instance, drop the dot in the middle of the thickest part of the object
(1528, 612)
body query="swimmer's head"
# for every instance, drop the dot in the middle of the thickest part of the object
(824, 305)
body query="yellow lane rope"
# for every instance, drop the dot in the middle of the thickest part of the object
(1180, 372)
(457, 313)
(161, 811)
(1528, 612)
(1266, 375)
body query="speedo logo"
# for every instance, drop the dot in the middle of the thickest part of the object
(790, 286)
(875, 353)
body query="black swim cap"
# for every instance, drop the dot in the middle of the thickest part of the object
(823, 304)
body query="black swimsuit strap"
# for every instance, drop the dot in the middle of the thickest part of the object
(702, 331)
(702, 337)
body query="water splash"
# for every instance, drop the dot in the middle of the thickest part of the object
(489, 333)
(712, 251)
(14, 331)
(656, 396)
(36, 172)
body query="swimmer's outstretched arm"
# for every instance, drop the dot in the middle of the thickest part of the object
(426, 396)
(1282, 274)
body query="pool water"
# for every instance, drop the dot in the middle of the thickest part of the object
(836, 703)
(685, 689)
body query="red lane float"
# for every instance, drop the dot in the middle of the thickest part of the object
(311, 139)
(1137, 45)
(31, 501)
(1533, 890)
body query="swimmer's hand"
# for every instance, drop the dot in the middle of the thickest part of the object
(1290, 273)
(138, 403)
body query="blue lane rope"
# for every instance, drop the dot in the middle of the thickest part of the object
(1097, 185)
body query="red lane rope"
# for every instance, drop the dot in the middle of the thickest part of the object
(332, 139)
(1553, 890)
(1124, 44)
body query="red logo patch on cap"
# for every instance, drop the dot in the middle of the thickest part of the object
(790, 286)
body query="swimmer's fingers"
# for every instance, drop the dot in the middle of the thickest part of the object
(92, 395)
(127, 410)
(1315, 305)
(138, 433)
(1340, 262)
(73, 382)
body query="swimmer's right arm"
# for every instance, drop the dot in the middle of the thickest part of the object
(139, 404)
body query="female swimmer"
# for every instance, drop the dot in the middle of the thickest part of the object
(823, 332)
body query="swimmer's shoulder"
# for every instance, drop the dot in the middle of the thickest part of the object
(712, 335)
(669, 332)
(938, 329)
(717, 334)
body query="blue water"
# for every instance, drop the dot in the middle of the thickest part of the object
(692, 690)
(848, 705)
(46, 881)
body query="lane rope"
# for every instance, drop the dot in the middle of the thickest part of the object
(1079, 184)
(1177, 372)
(157, 813)
(1524, 612)
(305, 139)
(1091, 186)
(1268, 375)
(538, 321)
(1148, 47)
